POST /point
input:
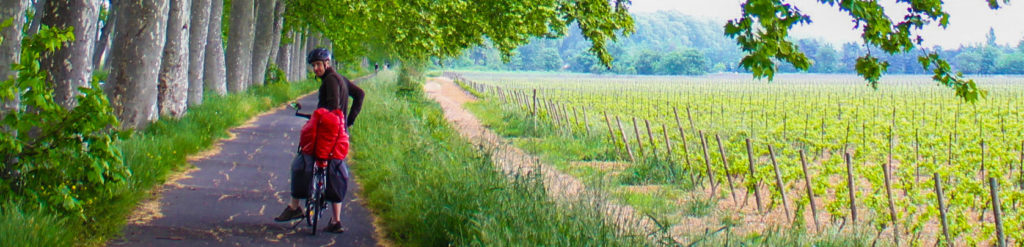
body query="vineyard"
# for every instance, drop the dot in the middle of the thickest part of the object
(925, 168)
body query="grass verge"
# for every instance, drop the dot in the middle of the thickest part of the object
(433, 188)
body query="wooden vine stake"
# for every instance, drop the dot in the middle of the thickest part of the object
(707, 161)
(690, 117)
(942, 210)
(611, 132)
(753, 177)
(576, 117)
(887, 171)
(625, 142)
(810, 194)
(639, 143)
(650, 137)
(668, 144)
(586, 120)
(892, 209)
(778, 182)
(533, 110)
(725, 166)
(849, 187)
(686, 151)
(983, 176)
(668, 152)
(997, 212)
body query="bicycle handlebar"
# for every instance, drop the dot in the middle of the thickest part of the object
(298, 107)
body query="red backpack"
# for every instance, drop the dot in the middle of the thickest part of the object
(324, 136)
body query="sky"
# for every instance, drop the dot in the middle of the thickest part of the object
(969, 20)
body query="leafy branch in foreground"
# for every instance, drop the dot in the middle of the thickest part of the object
(52, 157)
(763, 30)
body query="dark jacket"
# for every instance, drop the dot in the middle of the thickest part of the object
(334, 92)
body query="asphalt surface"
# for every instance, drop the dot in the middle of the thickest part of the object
(233, 196)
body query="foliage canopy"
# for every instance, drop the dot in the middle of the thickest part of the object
(420, 29)
(763, 30)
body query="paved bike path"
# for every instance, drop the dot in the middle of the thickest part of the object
(231, 197)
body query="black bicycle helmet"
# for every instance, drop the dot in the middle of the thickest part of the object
(318, 54)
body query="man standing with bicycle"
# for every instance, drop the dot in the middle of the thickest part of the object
(333, 95)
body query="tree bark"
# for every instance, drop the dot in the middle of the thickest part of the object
(214, 75)
(278, 26)
(173, 84)
(304, 48)
(136, 61)
(298, 56)
(101, 46)
(10, 47)
(40, 7)
(284, 60)
(240, 43)
(262, 45)
(198, 28)
(70, 66)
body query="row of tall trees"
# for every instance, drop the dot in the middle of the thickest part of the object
(161, 55)
(156, 58)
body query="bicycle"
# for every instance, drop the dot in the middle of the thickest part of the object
(315, 204)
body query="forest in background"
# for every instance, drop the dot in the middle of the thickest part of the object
(672, 43)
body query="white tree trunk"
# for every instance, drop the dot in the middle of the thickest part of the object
(240, 39)
(284, 60)
(135, 62)
(263, 43)
(173, 85)
(104, 42)
(40, 7)
(298, 57)
(278, 26)
(70, 66)
(214, 75)
(198, 28)
(10, 47)
(304, 50)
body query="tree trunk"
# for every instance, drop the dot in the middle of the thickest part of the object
(10, 47)
(240, 39)
(300, 69)
(40, 7)
(278, 26)
(214, 75)
(70, 66)
(198, 28)
(264, 37)
(136, 59)
(313, 42)
(101, 46)
(173, 85)
(298, 56)
(284, 60)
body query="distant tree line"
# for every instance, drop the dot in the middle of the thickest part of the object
(672, 43)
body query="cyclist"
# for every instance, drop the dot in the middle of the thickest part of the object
(333, 94)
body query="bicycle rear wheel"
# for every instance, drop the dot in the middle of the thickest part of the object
(317, 197)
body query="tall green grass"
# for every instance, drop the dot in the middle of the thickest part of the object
(433, 188)
(151, 154)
